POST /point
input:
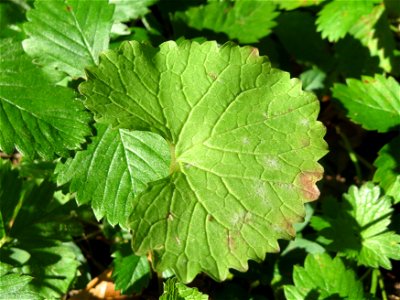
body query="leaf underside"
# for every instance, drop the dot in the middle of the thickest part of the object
(244, 149)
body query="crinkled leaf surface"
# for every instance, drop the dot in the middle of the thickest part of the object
(244, 146)
(246, 21)
(68, 34)
(36, 117)
(359, 230)
(116, 166)
(319, 279)
(372, 102)
(38, 240)
(388, 169)
(126, 10)
(174, 290)
(131, 272)
(337, 17)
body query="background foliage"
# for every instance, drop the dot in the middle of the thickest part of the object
(75, 156)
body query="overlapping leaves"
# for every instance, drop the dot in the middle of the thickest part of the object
(358, 227)
(244, 145)
(36, 248)
(36, 117)
(324, 278)
(116, 166)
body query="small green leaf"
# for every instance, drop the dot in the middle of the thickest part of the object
(360, 229)
(131, 272)
(244, 149)
(68, 35)
(388, 169)
(174, 290)
(36, 117)
(246, 21)
(16, 286)
(372, 102)
(116, 166)
(293, 4)
(126, 10)
(313, 79)
(324, 278)
(38, 242)
(337, 17)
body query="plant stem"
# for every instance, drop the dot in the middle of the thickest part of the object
(147, 25)
(374, 282)
(382, 285)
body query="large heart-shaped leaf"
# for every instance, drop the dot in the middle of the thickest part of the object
(244, 149)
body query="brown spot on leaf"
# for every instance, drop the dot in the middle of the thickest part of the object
(68, 8)
(213, 75)
(210, 218)
(289, 228)
(308, 184)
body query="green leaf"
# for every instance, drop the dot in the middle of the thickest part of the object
(244, 146)
(126, 10)
(68, 35)
(15, 286)
(38, 242)
(174, 290)
(313, 79)
(353, 60)
(307, 245)
(388, 169)
(131, 272)
(337, 17)
(293, 4)
(37, 117)
(324, 278)
(360, 229)
(372, 102)
(246, 21)
(116, 166)
(373, 30)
